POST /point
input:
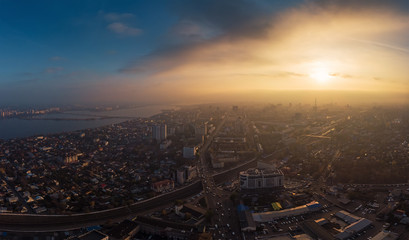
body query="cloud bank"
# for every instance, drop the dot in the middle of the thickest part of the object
(255, 48)
(237, 50)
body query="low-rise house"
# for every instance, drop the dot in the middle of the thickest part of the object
(163, 186)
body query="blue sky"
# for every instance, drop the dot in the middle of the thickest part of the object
(55, 52)
(66, 36)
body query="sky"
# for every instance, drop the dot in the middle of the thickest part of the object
(102, 52)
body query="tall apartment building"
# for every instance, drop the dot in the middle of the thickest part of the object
(159, 132)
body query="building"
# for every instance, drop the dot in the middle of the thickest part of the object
(247, 223)
(265, 164)
(217, 164)
(190, 172)
(190, 152)
(196, 213)
(273, 215)
(124, 231)
(356, 225)
(163, 132)
(165, 144)
(201, 131)
(255, 178)
(399, 214)
(92, 235)
(186, 174)
(385, 235)
(159, 132)
(71, 159)
(347, 217)
(180, 176)
(321, 221)
(354, 228)
(315, 231)
(163, 186)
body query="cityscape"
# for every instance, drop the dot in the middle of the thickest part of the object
(204, 120)
(215, 172)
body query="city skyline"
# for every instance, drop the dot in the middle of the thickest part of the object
(204, 119)
(204, 51)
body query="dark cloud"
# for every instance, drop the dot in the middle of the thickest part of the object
(186, 31)
(159, 60)
(400, 5)
(236, 22)
(202, 23)
(235, 18)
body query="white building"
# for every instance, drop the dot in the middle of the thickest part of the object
(255, 178)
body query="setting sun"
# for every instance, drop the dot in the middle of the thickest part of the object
(321, 76)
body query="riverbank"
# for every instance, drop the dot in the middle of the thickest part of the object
(12, 128)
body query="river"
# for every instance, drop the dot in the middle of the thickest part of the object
(71, 121)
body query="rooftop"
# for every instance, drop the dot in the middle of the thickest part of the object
(257, 171)
(93, 235)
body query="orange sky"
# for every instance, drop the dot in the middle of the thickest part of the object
(305, 48)
(209, 51)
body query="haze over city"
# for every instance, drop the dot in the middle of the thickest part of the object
(87, 52)
(204, 119)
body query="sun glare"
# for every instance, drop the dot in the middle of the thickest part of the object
(320, 75)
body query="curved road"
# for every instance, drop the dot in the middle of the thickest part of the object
(51, 223)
